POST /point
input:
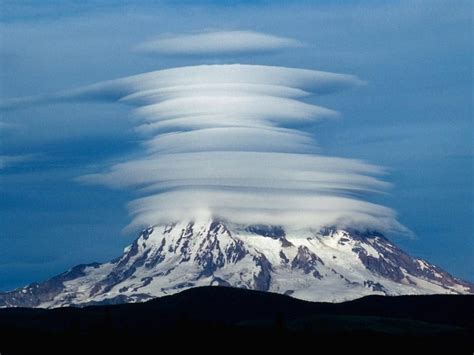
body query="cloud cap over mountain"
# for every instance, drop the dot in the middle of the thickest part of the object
(229, 142)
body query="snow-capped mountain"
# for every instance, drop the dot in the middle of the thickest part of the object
(327, 265)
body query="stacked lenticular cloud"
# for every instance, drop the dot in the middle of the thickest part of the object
(233, 142)
(229, 142)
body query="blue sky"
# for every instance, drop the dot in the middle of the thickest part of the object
(414, 116)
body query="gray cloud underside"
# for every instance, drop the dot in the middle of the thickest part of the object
(221, 42)
(221, 141)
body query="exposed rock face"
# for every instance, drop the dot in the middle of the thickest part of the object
(329, 265)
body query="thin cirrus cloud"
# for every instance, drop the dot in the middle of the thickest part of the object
(229, 142)
(218, 43)
(7, 161)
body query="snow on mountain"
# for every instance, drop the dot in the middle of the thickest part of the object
(328, 265)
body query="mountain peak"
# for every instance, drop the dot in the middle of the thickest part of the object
(327, 265)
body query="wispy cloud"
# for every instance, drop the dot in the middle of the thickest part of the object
(7, 161)
(221, 42)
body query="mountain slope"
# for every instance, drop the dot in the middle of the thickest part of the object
(328, 265)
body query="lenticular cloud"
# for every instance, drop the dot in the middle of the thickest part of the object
(229, 142)
(221, 42)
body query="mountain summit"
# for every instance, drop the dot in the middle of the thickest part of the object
(331, 265)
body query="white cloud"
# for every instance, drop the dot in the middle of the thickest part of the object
(175, 83)
(222, 142)
(221, 42)
(290, 209)
(240, 138)
(251, 170)
(228, 141)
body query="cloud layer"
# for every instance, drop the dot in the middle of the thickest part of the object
(230, 142)
(7, 161)
(221, 42)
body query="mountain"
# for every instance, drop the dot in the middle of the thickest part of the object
(331, 265)
(214, 318)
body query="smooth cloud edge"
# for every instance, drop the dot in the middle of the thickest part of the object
(225, 42)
